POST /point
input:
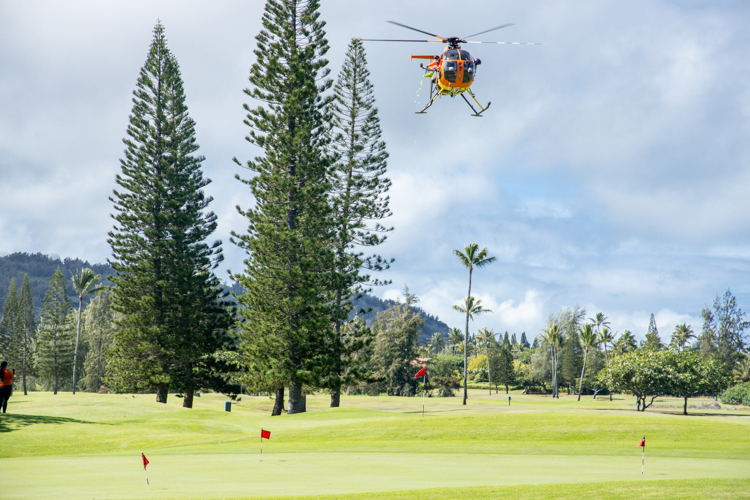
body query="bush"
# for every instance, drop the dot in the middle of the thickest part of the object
(737, 395)
(444, 374)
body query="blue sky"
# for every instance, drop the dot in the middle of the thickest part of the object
(611, 171)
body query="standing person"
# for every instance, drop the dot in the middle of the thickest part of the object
(6, 385)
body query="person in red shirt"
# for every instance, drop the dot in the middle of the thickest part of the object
(6, 385)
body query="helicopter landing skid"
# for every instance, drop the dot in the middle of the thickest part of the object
(482, 109)
(433, 97)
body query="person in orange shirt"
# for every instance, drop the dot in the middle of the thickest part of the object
(6, 385)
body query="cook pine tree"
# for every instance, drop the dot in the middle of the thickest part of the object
(17, 331)
(24, 349)
(359, 197)
(9, 322)
(54, 356)
(288, 306)
(172, 311)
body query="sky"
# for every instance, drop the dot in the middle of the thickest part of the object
(611, 171)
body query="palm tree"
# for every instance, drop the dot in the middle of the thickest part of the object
(471, 257)
(470, 307)
(626, 343)
(486, 338)
(455, 338)
(436, 344)
(599, 321)
(681, 335)
(553, 338)
(605, 338)
(84, 283)
(589, 340)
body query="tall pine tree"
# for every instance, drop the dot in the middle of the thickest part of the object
(25, 342)
(9, 323)
(652, 342)
(54, 357)
(359, 198)
(172, 311)
(98, 331)
(288, 309)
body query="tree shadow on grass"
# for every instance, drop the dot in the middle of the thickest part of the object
(12, 422)
(679, 413)
(701, 414)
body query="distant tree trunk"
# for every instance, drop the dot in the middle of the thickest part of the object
(583, 370)
(278, 404)
(297, 401)
(187, 401)
(506, 388)
(466, 342)
(489, 371)
(336, 397)
(78, 336)
(684, 406)
(161, 393)
(23, 383)
(55, 379)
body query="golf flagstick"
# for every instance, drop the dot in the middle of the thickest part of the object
(145, 468)
(422, 373)
(264, 434)
(642, 444)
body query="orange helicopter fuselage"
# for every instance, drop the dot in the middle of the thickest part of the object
(453, 71)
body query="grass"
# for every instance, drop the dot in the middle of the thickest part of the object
(88, 446)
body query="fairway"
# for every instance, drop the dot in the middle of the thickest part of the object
(88, 446)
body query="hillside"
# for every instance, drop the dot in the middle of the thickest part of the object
(40, 269)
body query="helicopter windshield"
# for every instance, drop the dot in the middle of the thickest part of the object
(451, 55)
(457, 55)
(449, 71)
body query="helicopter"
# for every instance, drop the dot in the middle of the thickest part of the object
(453, 71)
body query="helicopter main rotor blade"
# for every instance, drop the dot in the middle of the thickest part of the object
(491, 29)
(396, 40)
(417, 29)
(505, 43)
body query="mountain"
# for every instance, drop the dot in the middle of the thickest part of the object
(369, 306)
(40, 269)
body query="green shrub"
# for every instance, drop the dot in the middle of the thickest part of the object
(737, 395)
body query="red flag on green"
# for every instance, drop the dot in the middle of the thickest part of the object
(264, 434)
(145, 461)
(421, 373)
(642, 443)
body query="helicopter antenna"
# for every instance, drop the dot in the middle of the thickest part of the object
(487, 31)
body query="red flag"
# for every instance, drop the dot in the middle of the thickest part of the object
(421, 373)
(264, 434)
(145, 461)
(642, 443)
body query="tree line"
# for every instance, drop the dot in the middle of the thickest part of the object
(315, 209)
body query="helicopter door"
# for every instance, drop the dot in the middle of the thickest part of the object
(469, 69)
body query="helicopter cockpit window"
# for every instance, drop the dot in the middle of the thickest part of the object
(449, 71)
(469, 71)
(464, 55)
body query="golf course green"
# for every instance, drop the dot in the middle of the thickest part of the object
(88, 446)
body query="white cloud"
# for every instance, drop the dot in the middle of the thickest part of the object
(527, 314)
(540, 209)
